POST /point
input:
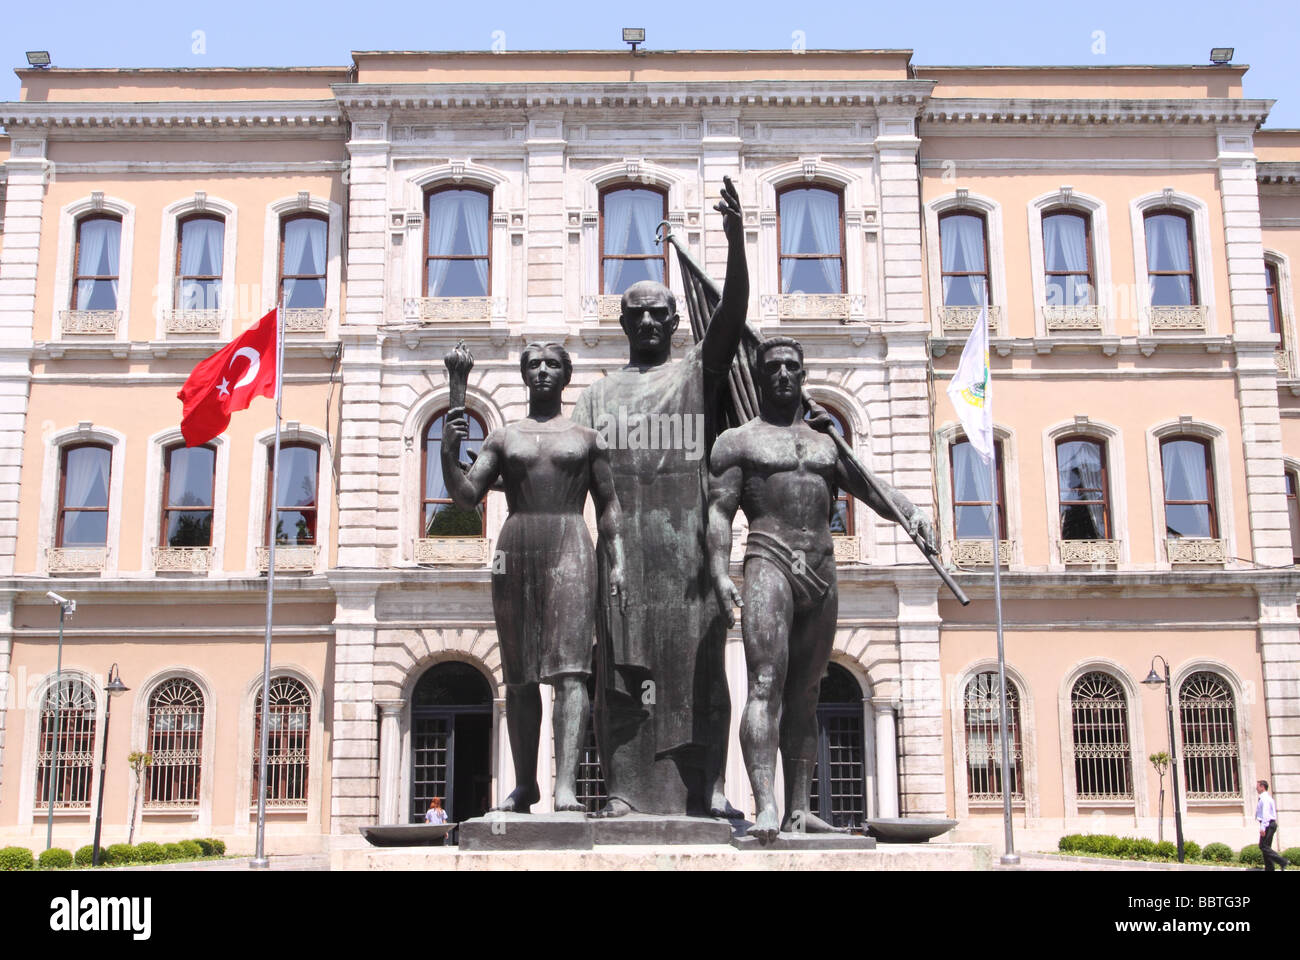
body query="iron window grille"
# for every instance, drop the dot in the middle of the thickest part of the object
(288, 740)
(175, 740)
(1211, 754)
(74, 702)
(983, 710)
(1103, 762)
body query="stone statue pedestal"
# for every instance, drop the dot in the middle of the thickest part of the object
(576, 831)
(807, 841)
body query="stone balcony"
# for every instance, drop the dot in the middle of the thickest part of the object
(452, 551)
(197, 560)
(205, 322)
(288, 558)
(1086, 552)
(1189, 317)
(979, 553)
(1196, 550)
(76, 559)
(1072, 319)
(962, 319)
(90, 322)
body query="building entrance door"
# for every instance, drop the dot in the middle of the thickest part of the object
(451, 742)
(839, 794)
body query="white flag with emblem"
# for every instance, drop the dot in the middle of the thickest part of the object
(971, 388)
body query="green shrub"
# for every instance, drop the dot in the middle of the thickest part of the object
(190, 850)
(1251, 854)
(218, 847)
(1069, 843)
(86, 855)
(55, 858)
(150, 852)
(204, 845)
(118, 853)
(1292, 855)
(1217, 853)
(1143, 847)
(16, 858)
(1121, 846)
(1165, 850)
(173, 851)
(1191, 850)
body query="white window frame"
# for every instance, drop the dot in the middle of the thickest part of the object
(84, 432)
(202, 815)
(1243, 696)
(1111, 439)
(1222, 465)
(944, 438)
(200, 203)
(1199, 213)
(27, 813)
(1137, 807)
(276, 212)
(65, 268)
(244, 806)
(969, 202)
(1099, 235)
(1028, 739)
(413, 430)
(290, 432)
(153, 504)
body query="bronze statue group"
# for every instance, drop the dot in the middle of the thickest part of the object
(656, 591)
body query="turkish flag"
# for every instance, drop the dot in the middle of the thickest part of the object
(228, 381)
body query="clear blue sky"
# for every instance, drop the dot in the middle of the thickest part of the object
(245, 33)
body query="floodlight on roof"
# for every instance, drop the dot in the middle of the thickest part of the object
(1222, 54)
(634, 35)
(38, 58)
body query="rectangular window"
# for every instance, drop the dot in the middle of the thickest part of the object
(811, 228)
(83, 496)
(458, 236)
(187, 497)
(95, 275)
(295, 505)
(629, 220)
(964, 262)
(1170, 270)
(1271, 288)
(1189, 488)
(972, 487)
(302, 261)
(1293, 513)
(1067, 259)
(200, 251)
(1081, 474)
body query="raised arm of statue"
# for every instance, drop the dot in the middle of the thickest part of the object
(609, 518)
(467, 487)
(725, 480)
(723, 335)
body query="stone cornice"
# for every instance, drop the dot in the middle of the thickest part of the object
(518, 96)
(998, 111)
(242, 116)
(1278, 171)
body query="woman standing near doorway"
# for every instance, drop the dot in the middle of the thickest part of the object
(544, 570)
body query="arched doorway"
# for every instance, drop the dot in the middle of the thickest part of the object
(591, 775)
(451, 742)
(839, 787)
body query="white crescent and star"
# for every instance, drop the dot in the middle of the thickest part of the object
(254, 362)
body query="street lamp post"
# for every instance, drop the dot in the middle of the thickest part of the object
(112, 688)
(66, 607)
(1154, 679)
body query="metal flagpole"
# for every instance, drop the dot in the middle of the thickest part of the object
(273, 496)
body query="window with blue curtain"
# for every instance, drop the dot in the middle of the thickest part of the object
(96, 268)
(200, 253)
(1171, 271)
(811, 226)
(457, 246)
(964, 261)
(1067, 259)
(629, 220)
(302, 260)
(972, 492)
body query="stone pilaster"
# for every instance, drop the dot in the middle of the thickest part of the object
(545, 236)
(920, 752)
(354, 748)
(7, 687)
(1261, 429)
(719, 157)
(900, 214)
(390, 760)
(1279, 654)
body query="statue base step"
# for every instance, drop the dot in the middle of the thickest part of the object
(577, 831)
(806, 841)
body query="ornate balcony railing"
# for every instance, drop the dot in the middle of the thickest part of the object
(1189, 317)
(962, 319)
(98, 322)
(444, 309)
(306, 319)
(76, 559)
(182, 559)
(848, 548)
(193, 321)
(1283, 362)
(1088, 551)
(609, 306)
(1196, 550)
(1068, 319)
(814, 306)
(289, 558)
(979, 553)
(459, 551)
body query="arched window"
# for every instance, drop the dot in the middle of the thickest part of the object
(1084, 488)
(1188, 488)
(837, 793)
(96, 263)
(175, 740)
(972, 488)
(964, 259)
(984, 738)
(303, 255)
(288, 734)
(188, 479)
(842, 512)
(1211, 755)
(1171, 263)
(200, 250)
(629, 219)
(810, 231)
(457, 242)
(439, 516)
(1068, 259)
(1293, 512)
(296, 505)
(84, 478)
(74, 701)
(1103, 763)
